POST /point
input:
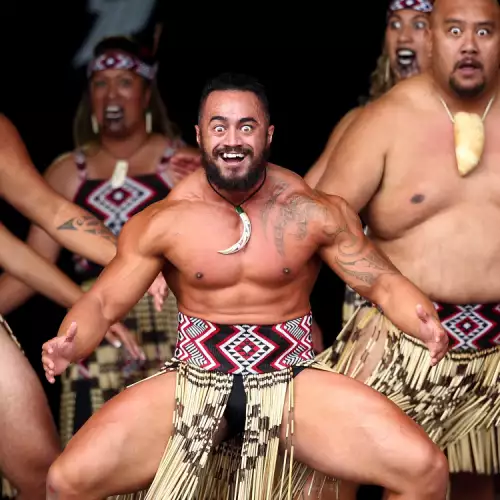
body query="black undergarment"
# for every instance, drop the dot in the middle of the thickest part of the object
(235, 413)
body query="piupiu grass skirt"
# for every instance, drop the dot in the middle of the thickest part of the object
(248, 466)
(457, 401)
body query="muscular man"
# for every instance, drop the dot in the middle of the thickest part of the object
(27, 431)
(405, 54)
(410, 165)
(244, 375)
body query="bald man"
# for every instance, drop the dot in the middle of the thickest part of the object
(427, 182)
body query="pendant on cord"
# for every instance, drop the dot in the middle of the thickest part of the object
(245, 234)
(119, 174)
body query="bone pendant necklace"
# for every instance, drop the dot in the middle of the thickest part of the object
(468, 131)
(247, 225)
(121, 166)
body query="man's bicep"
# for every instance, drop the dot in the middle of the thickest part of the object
(355, 168)
(131, 272)
(352, 255)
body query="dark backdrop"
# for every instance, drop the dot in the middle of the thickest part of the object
(315, 62)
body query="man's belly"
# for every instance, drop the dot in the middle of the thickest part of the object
(449, 263)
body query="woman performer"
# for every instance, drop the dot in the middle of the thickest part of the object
(128, 156)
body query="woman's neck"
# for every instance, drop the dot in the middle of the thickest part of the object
(124, 148)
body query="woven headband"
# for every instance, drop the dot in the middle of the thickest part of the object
(121, 60)
(418, 5)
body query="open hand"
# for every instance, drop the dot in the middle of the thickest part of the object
(159, 291)
(118, 335)
(57, 353)
(433, 335)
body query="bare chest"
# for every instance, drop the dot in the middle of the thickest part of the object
(421, 178)
(279, 250)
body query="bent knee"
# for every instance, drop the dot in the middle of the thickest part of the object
(429, 470)
(63, 479)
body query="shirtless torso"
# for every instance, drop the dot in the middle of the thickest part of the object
(418, 208)
(272, 278)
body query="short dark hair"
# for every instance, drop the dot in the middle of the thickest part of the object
(235, 81)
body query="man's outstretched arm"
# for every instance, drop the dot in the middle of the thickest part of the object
(367, 270)
(119, 287)
(25, 189)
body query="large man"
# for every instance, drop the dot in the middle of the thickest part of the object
(244, 335)
(409, 163)
(29, 440)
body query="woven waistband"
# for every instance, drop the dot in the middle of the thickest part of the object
(244, 349)
(471, 326)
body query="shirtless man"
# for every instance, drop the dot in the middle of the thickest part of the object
(29, 439)
(397, 165)
(405, 54)
(241, 345)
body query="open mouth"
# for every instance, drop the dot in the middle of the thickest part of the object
(233, 158)
(469, 66)
(406, 57)
(407, 63)
(113, 113)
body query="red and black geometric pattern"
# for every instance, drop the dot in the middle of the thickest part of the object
(244, 349)
(116, 206)
(418, 5)
(471, 327)
(115, 59)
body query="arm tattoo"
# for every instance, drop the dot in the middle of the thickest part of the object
(90, 225)
(357, 257)
(293, 213)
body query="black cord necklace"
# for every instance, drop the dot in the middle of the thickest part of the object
(247, 225)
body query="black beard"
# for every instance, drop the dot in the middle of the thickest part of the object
(466, 93)
(242, 184)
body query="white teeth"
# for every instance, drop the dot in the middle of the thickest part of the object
(406, 53)
(232, 156)
(113, 112)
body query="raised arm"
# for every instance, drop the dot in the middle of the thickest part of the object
(120, 286)
(318, 169)
(349, 253)
(355, 168)
(25, 189)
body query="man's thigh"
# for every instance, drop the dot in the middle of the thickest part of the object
(348, 431)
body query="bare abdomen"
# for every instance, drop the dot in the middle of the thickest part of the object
(453, 257)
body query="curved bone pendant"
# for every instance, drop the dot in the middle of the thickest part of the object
(469, 141)
(245, 234)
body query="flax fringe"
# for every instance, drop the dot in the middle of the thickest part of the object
(248, 469)
(457, 402)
